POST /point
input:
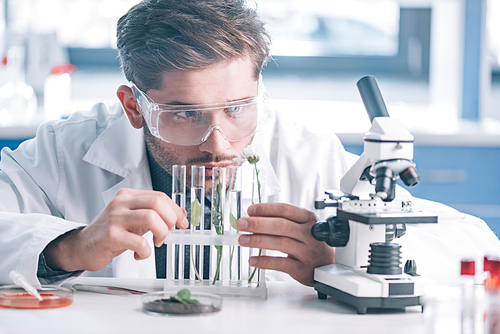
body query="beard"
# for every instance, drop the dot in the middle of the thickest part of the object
(168, 155)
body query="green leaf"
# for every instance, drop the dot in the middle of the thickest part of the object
(233, 221)
(218, 225)
(195, 212)
(219, 189)
(184, 297)
(184, 294)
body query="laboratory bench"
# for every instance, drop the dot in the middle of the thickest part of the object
(289, 308)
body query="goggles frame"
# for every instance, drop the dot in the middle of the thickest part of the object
(151, 112)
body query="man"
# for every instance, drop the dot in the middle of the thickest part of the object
(79, 197)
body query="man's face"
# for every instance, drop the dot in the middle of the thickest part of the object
(223, 82)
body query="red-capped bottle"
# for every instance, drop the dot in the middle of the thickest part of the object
(468, 301)
(492, 289)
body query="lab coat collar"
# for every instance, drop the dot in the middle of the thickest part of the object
(120, 149)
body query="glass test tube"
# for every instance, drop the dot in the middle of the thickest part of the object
(234, 191)
(217, 218)
(258, 193)
(179, 198)
(197, 219)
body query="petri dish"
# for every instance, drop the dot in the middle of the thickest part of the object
(13, 296)
(159, 303)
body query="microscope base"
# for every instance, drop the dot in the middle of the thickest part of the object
(363, 303)
(362, 290)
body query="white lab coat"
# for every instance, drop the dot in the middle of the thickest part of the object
(65, 177)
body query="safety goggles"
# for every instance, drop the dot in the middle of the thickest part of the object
(190, 125)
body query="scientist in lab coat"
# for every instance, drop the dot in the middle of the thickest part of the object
(79, 196)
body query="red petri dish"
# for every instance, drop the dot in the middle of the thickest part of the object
(12, 296)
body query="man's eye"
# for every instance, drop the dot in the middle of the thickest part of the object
(235, 109)
(187, 114)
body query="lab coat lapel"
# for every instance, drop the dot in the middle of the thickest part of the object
(125, 265)
(120, 149)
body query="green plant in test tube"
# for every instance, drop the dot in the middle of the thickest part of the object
(218, 199)
(250, 155)
(234, 191)
(197, 209)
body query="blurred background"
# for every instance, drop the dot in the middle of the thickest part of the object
(437, 63)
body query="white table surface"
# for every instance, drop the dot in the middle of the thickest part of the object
(289, 308)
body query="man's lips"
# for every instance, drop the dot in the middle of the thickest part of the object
(210, 166)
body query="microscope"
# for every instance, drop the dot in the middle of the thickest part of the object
(367, 272)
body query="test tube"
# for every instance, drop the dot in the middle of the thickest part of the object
(234, 191)
(258, 184)
(179, 198)
(258, 196)
(217, 218)
(197, 219)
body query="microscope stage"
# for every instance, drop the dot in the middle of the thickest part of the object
(389, 217)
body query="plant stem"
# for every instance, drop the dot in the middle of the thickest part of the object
(219, 225)
(260, 201)
(258, 183)
(254, 270)
(219, 258)
(194, 265)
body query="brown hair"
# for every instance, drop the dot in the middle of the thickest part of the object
(157, 36)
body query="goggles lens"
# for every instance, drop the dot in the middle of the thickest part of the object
(189, 125)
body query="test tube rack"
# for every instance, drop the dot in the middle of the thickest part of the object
(232, 278)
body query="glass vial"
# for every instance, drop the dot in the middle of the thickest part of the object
(492, 291)
(468, 302)
(258, 193)
(234, 193)
(179, 198)
(217, 218)
(258, 184)
(197, 220)
(197, 197)
(179, 185)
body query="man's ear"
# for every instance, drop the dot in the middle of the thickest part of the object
(130, 105)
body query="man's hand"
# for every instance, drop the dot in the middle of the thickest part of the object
(285, 228)
(118, 227)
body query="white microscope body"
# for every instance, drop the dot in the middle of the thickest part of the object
(367, 272)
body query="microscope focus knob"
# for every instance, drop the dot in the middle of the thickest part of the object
(334, 231)
(411, 268)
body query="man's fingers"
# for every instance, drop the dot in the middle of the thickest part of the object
(271, 226)
(283, 210)
(170, 212)
(296, 269)
(141, 221)
(284, 264)
(286, 245)
(138, 245)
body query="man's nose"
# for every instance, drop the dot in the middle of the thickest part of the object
(215, 143)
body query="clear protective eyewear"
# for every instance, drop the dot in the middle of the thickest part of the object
(191, 125)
